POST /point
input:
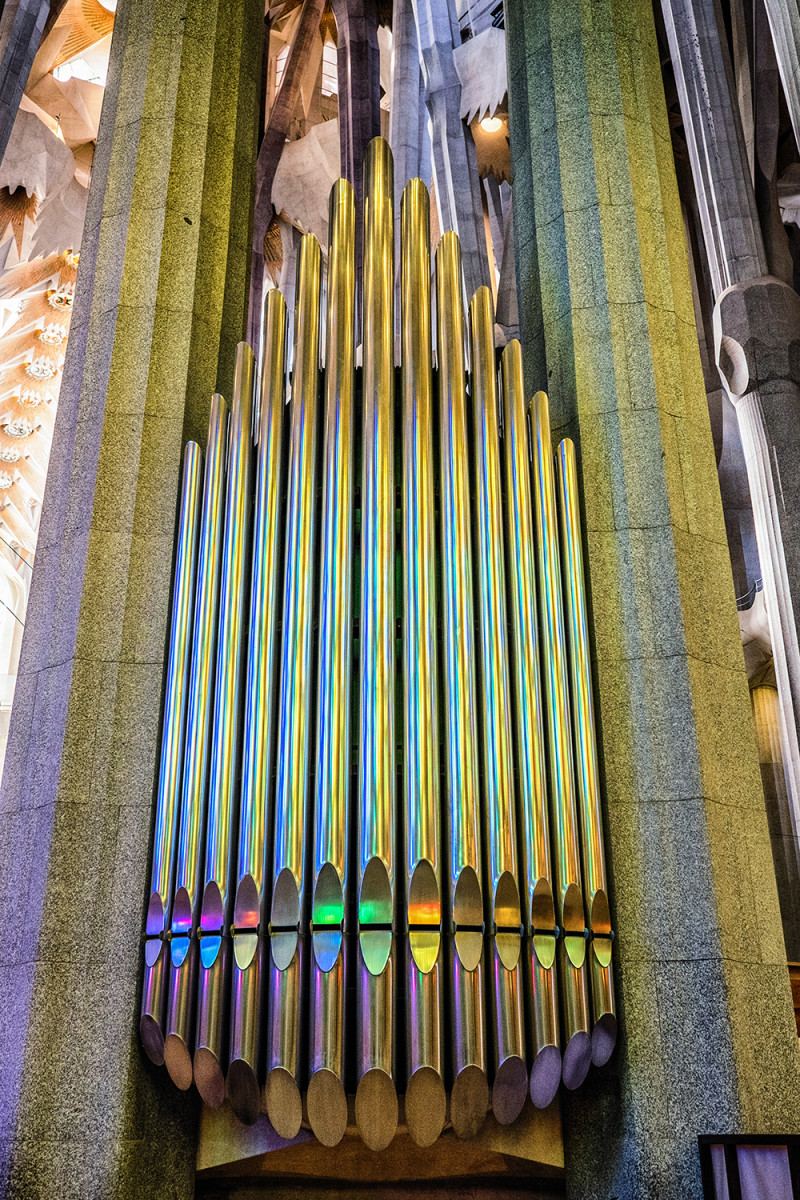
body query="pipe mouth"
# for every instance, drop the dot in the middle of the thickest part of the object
(326, 1102)
(507, 913)
(208, 1077)
(467, 898)
(469, 1102)
(545, 1076)
(152, 1039)
(604, 1039)
(376, 1109)
(426, 1106)
(178, 1061)
(577, 1060)
(243, 1091)
(284, 1106)
(469, 948)
(510, 1089)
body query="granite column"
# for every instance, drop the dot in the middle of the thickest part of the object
(161, 303)
(707, 1028)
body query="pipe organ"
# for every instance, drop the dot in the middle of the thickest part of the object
(378, 878)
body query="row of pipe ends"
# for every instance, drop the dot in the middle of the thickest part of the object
(320, 923)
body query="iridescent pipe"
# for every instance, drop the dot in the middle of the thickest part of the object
(215, 905)
(327, 1101)
(165, 836)
(469, 1098)
(376, 1099)
(179, 1023)
(249, 912)
(539, 915)
(502, 905)
(563, 801)
(295, 738)
(604, 1031)
(426, 1100)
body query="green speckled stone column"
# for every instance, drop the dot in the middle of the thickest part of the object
(160, 305)
(708, 1041)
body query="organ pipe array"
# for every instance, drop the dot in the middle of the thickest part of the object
(378, 883)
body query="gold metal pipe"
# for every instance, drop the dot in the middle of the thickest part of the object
(287, 999)
(326, 1099)
(502, 902)
(426, 1101)
(376, 1099)
(165, 836)
(215, 904)
(249, 913)
(539, 916)
(604, 1031)
(469, 1096)
(563, 803)
(179, 1023)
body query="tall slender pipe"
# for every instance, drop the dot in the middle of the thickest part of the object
(563, 802)
(376, 1099)
(426, 1100)
(604, 1031)
(165, 836)
(327, 1100)
(539, 916)
(469, 1098)
(179, 1023)
(295, 741)
(215, 905)
(502, 903)
(249, 913)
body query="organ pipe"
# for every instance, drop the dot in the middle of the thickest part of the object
(539, 917)
(327, 1098)
(425, 1105)
(502, 903)
(376, 876)
(215, 904)
(165, 836)
(179, 1026)
(563, 800)
(348, 904)
(285, 1077)
(604, 1030)
(250, 913)
(469, 1098)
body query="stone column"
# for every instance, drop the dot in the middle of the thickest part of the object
(359, 76)
(707, 1028)
(455, 170)
(21, 26)
(161, 302)
(756, 324)
(784, 21)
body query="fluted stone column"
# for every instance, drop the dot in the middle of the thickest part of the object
(160, 305)
(707, 1028)
(784, 21)
(359, 77)
(756, 326)
(458, 192)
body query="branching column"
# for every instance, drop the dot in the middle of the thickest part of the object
(756, 322)
(707, 1026)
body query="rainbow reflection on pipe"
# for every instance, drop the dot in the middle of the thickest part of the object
(378, 812)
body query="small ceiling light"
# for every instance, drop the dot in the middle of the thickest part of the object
(491, 124)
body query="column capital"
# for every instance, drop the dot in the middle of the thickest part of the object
(757, 335)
